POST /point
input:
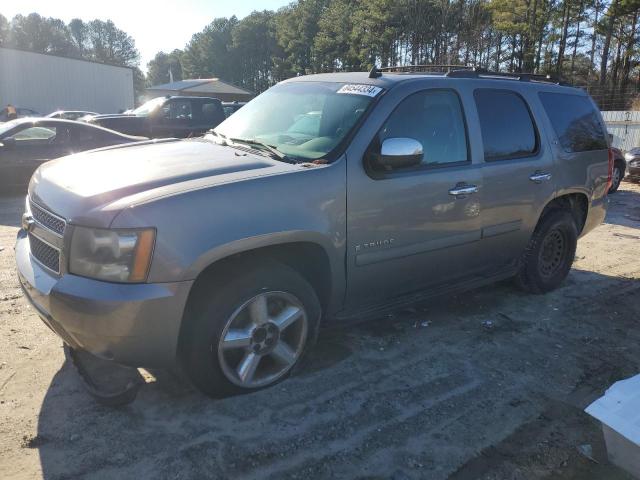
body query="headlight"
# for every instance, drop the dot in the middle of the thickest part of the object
(111, 255)
(629, 156)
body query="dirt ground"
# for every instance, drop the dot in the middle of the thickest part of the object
(487, 385)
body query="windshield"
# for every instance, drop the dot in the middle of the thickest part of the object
(148, 107)
(5, 127)
(303, 120)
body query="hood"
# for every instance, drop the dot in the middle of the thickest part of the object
(90, 188)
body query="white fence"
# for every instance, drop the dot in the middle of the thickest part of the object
(625, 127)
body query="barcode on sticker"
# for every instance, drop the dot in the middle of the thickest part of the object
(368, 90)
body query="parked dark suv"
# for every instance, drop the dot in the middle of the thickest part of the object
(178, 117)
(326, 197)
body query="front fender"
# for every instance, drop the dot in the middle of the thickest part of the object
(199, 227)
(260, 241)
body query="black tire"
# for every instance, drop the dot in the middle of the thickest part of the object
(617, 176)
(214, 305)
(549, 255)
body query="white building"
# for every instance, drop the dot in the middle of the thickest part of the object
(46, 83)
(625, 128)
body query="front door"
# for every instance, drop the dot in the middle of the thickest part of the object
(28, 148)
(414, 227)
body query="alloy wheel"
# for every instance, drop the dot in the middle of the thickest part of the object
(263, 339)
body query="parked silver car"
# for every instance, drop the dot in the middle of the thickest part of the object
(633, 163)
(225, 253)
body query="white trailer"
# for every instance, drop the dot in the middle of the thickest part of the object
(46, 83)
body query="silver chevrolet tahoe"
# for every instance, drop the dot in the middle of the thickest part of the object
(327, 197)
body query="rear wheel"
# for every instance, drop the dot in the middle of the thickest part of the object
(549, 255)
(616, 178)
(249, 332)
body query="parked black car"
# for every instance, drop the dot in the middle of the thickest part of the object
(232, 107)
(178, 117)
(26, 143)
(633, 163)
(70, 114)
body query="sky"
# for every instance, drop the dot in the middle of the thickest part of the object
(154, 25)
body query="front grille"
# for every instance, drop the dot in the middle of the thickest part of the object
(45, 253)
(49, 220)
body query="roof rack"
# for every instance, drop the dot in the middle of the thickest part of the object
(466, 71)
(476, 72)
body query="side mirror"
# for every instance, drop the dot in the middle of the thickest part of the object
(400, 153)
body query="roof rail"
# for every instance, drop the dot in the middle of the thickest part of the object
(423, 68)
(477, 72)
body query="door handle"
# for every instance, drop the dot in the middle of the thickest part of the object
(540, 177)
(463, 189)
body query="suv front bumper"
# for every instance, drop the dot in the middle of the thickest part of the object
(132, 324)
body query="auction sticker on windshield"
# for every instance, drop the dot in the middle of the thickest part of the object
(368, 90)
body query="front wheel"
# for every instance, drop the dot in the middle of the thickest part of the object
(249, 332)
(549, 254)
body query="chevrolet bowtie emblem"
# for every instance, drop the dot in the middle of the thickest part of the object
(27, 222)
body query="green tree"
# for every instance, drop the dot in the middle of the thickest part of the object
(208, 54)
(333, 42)
(257, 57)
(109, 44)
(296, 29)
(78, 31)
(4, 29)
(39, 34)
(158, 68)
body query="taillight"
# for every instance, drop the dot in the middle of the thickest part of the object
(610, 172)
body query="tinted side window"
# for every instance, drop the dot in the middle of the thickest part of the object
(435, 119)
(575, 122)
(177, 110)
(506, 124)
(81, 135)
(212, 113)
(35, 134)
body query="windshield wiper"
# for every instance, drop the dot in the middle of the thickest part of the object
(264, 147)
(224, 139)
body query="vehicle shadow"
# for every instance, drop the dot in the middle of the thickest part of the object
(431, 385)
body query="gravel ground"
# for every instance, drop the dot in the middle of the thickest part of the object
(487, 385)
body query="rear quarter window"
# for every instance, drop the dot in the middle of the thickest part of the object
(575, 122)
(212, 112)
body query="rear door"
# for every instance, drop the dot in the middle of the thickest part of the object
(519, 172)
(86, 137)
(407, 229)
